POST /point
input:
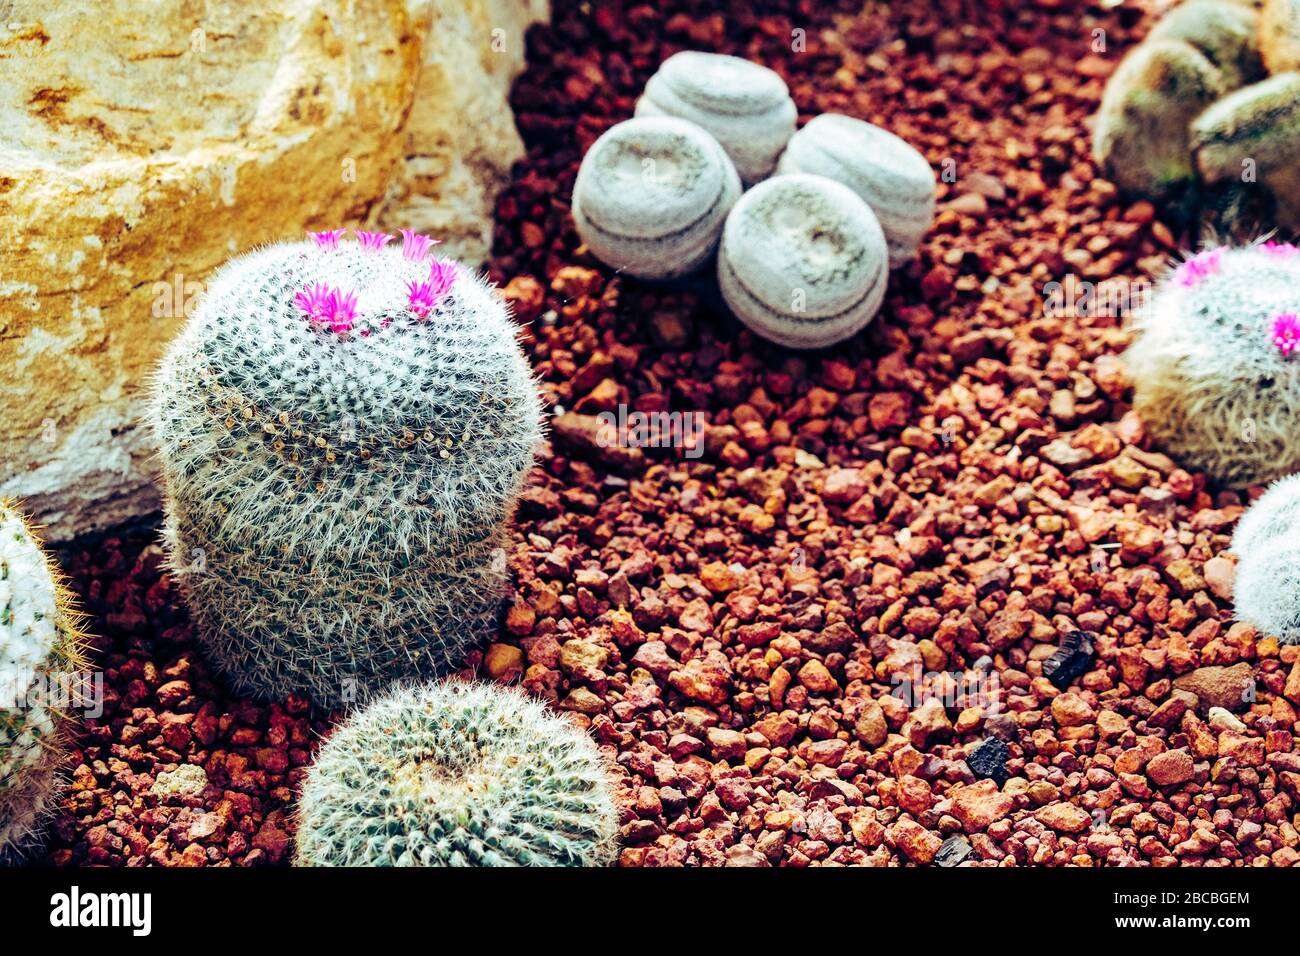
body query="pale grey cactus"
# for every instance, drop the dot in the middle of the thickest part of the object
(1266, 590)
(41, 648)
(888, 173)
(651, 196)
(344, 429)
(457, 774)
(803, 261)
(1216, 377)
(747, 107)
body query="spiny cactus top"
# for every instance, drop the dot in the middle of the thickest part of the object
(41, 647)
(457, 774)
(1267, 543)
(803, 261)
(1216, 377)
(745, 105)
(888, 173)
(344, 428)
(651, 196)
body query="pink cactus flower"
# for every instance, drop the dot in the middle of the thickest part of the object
(329, 307)
(315, 301)
(372, 241)
(1280, 249)
(328, 239)
(424, 297)
(415, 246)
(1199, 266)
(1286, 333)
(343, 312)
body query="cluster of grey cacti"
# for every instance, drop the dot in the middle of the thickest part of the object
(1206, 111)
(344, 428)
(41, 647)
(802, 258)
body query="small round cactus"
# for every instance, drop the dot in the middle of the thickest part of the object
(1267, 543)
(1216, 377)
(457, 774)
(745, 105)
(651, 196)
(889, 174)
(344, 428)
(803, 261)
(41, 647)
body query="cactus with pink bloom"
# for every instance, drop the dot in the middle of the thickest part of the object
(1215, 380)
(344, 427)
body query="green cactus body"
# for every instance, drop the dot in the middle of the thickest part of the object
(338, 471)
(1199, 52)
(1214, 363)
(1258, 123)
(40, 647)
(457, 774)
(1279, 35)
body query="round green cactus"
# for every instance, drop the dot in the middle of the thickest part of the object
(457, 774)
(344, 429)
(41, 645)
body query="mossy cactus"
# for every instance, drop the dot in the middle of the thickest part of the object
(745, 106)
(344, 428)
(1216, 377)
(888, 173)
(1279, 35)
(41, 648)
(1199, 52)
(803, 261)
(651, 196)
(457, 774)
(1193, 120)
(1267, 543)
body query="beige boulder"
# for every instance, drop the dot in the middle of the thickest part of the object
(138, 151)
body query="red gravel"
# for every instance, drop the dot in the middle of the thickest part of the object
(964, 480)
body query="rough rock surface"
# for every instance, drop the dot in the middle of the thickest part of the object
(139, 152)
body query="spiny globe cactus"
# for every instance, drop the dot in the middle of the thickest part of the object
(651, 196)
(344, 428)
(457, 774)
(1267, 542)
(41, 647)
(1216, 377)
(803, 261)
(747, 107)
(888, 173)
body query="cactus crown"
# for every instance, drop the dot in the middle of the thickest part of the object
(456, 774)
(40, 642)
(360, 382)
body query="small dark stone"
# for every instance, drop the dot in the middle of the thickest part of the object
(954, 850)
(1071, 660)
(989, 761)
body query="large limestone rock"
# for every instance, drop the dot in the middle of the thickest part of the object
(461, 139)
(138, 150)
